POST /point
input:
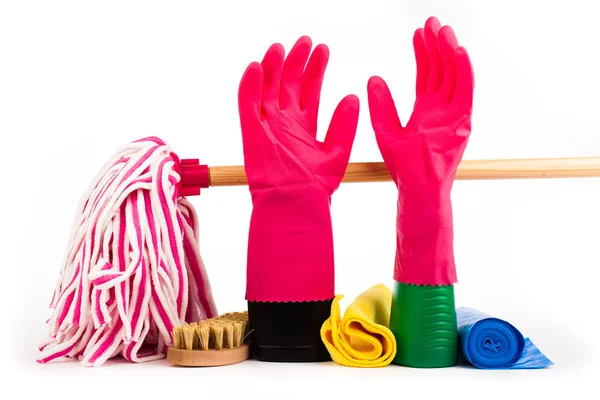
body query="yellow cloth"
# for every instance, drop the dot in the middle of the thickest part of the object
(362, 338)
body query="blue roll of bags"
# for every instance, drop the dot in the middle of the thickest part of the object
(491, 343)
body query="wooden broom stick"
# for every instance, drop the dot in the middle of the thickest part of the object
(467, 170)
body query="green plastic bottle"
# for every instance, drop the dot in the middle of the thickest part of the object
(423, 320)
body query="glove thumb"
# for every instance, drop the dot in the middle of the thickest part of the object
(340, 137)
(384, 118)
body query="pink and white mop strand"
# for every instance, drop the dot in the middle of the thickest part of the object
(132, 269)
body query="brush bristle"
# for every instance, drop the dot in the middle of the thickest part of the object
(177, 337)
(188, 337)
(204, 334)
(228, 333)
(224, 332)
(196, 343)
(216, 331)
(238, 333)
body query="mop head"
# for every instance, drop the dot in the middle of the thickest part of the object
(132, 269)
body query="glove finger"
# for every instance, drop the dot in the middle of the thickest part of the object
(272, 65)
(384, 118)
(249, 104)
(447, 45)
(432, 27)
(422, 60)
(340, 137)
(312, 81)
(250, 92)
(293, 68)
(465, 80)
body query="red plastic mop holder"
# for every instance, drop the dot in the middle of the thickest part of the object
(194, 176)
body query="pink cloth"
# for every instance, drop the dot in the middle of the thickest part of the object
(292, 175)
(423, 156)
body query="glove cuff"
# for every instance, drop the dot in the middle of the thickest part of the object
(425, 243)
(290, 249)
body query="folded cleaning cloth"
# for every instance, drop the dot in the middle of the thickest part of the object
(362, 338)
(492, 343)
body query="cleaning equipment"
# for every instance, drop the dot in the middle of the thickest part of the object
(212, 342)
(362, 338)
(492, 343)
(291, 177)
(132, 269)
(83, 310)
(422, 158)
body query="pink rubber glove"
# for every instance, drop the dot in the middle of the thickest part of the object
(291, 174)
(423, 156)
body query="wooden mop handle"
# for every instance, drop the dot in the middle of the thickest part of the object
(468, 169)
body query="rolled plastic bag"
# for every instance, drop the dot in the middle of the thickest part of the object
(492, 343)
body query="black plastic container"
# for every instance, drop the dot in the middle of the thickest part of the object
(288, 332)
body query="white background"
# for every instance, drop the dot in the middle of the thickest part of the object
(79, 79)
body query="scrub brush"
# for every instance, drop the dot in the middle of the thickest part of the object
(212, 342)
